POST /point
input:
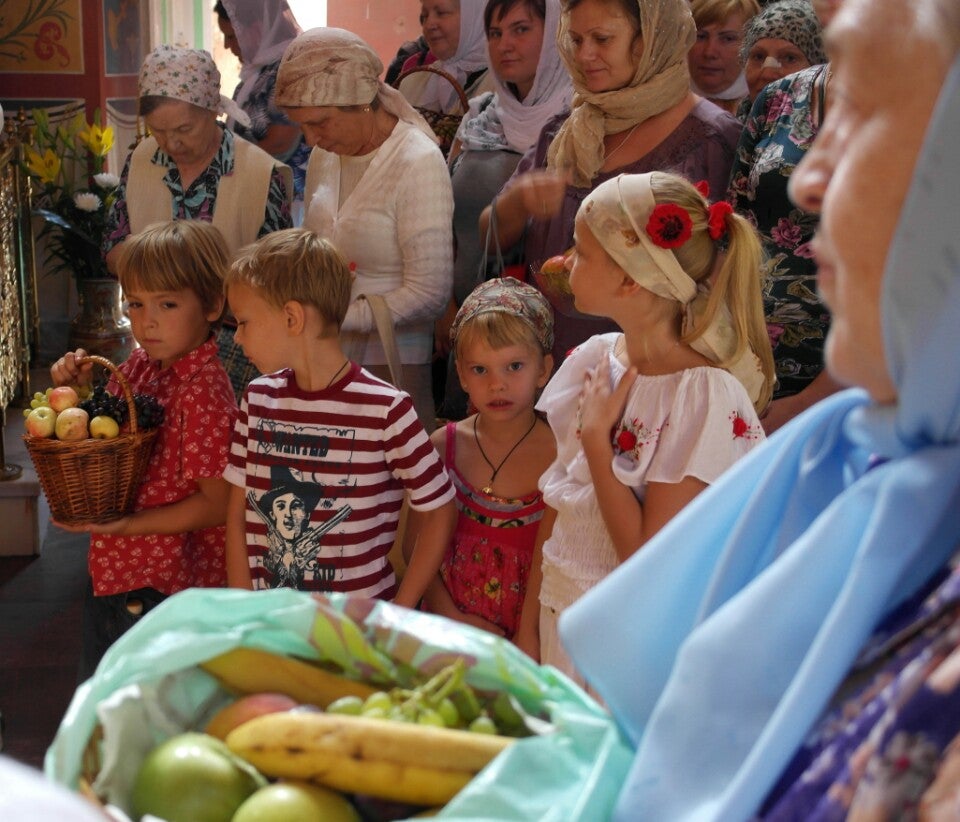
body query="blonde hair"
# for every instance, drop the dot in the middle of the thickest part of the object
(498, 329)
(738, 282)
(709, 12)
(295, 264)
(175, 255)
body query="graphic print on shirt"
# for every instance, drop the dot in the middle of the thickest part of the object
(297, 489)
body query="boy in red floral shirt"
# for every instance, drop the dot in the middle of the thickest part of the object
(172, 279)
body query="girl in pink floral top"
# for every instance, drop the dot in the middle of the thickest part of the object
(501, 341)
(647, 418)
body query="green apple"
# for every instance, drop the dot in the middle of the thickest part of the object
(193, 777)
(104, 428)
(295, 801)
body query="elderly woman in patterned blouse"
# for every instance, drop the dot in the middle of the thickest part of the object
(192, 168)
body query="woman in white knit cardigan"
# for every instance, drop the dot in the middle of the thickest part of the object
(378, 188)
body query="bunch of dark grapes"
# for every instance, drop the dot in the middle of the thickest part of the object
(101, 403)
(149, 411)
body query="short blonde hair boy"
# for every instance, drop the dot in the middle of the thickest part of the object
(175, 255)
(295, 264)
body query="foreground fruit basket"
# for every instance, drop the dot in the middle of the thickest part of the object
(93, 480)
(341, 698)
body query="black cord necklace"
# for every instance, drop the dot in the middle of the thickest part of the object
(488, 488)
(337, 373)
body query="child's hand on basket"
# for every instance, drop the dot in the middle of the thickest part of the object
(65, 371)
(114, 527)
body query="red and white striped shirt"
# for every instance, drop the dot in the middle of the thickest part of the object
(325, 474)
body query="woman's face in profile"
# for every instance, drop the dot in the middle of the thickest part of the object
(230, 41)
(857, 174)
(604, 44)
(514, 40)
(440, 23)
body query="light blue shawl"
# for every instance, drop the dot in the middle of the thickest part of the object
(720, 643)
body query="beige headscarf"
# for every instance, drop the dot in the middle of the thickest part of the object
(617, 212)
(662, 79)
(334, 67)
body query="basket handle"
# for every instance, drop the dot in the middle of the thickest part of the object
(124, 385)
(464, 102)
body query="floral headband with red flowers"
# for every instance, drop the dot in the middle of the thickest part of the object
(640, 234)
(670, 225)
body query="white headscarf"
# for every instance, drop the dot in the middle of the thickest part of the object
(264, 29)
(515, 124)
(470, 56)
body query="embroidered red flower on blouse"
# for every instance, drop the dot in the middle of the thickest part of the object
(669, 225)
(717, 219)
(703, 187)
(626, 440)
(352, 266)
(742, 429)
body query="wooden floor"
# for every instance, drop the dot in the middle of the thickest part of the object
(40, 605)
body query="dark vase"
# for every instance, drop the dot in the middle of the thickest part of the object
(101, 326)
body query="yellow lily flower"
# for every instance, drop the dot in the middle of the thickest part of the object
(98, 140)
(46, 166)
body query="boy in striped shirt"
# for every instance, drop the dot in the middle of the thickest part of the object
(323, 452)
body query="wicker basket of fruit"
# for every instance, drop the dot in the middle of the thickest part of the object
(89, 467)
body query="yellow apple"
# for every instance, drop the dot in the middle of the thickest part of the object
(104, 427)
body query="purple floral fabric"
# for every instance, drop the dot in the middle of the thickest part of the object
(777, 133)
(263, 112)
(883, 749)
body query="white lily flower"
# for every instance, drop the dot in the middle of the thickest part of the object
(87, 201)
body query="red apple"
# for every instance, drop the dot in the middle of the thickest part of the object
(41, 421)
(72, 424)
(246, 708)
(63, 397)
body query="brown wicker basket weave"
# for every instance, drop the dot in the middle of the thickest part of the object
(443, 125)
(93, 480)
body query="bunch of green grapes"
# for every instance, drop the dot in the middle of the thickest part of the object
(446, 701)
(40, 398)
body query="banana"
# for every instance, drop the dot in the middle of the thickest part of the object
(250, 671)
(418, 764)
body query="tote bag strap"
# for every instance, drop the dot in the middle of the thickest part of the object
(383, 322)
(493, 236)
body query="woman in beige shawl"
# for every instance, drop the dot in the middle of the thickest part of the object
(632, 111)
